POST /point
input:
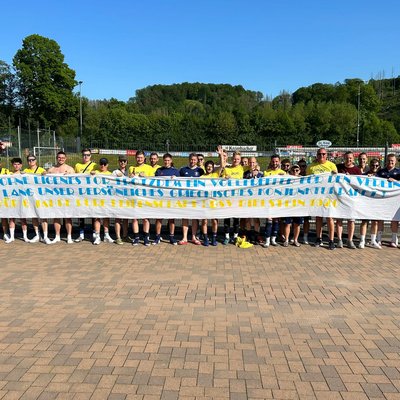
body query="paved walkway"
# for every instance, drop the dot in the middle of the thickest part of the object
(121, 322)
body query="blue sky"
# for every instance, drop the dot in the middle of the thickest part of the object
(117, 47)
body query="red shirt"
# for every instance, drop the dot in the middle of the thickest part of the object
(354, 170)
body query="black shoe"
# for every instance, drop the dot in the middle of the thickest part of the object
(318, 242)
(331, 245)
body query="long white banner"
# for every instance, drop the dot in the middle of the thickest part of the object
(58, 196)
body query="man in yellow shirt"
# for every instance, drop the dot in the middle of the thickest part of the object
(322, 166)
(103, 170)
(144, 170)
(154, 161)
(235, 171)
(87, 165)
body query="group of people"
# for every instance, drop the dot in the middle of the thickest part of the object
(243, 232)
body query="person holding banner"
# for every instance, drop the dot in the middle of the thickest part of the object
(322, 166)
(144, 170)
(348, 167)
(103, 170)
(85, 167)
(272, 224)
(363, 163)
(235, 171)
(154, 161)
(63, 169)
(391, 173)
(4, 221)
(296, 221)
(121, 171)
(33, 168)
(190, 171)
(17, 170)
(373, 168)
(168, 171)
(210, 173)
(252, 172)
(200, 162)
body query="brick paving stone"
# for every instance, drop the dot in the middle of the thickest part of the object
(202, 323)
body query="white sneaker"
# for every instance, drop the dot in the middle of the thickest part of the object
(35, 239)
(8, 239)
(97, 240)
(376, 245)
(108, 239)
(26, 240)
(361, 245)
(55, 240)
(46, 240)
(69, 240)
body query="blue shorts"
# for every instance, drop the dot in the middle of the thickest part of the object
(296, 220)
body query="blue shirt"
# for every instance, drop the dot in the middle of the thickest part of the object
(191, 173)
(385, 173)
(164, 171)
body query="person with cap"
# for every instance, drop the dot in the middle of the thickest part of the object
(121, 171)
(103, 170)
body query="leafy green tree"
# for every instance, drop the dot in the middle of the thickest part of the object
(45, 81)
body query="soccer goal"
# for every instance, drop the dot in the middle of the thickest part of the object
(46, 155)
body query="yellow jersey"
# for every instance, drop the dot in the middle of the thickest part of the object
(102, 173)
(85, 168)
(155, 168)
(212, 175)
(37, 170)
(318, 168)
(4, 171)
(233, 172)
(146, 169)
(278, 171)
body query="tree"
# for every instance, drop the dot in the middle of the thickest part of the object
(45, 82)
(7, 91)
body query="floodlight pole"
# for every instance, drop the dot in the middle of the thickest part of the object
(80, 114)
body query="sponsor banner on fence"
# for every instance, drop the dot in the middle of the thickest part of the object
(340, 196)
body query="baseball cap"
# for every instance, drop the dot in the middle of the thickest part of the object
(122, 158)
(103, 161)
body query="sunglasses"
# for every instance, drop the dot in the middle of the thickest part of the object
(296, 169)
(322, 154)
(123, 161)
(87, 155)
(103, 164)
(374, 165)
(31, 159)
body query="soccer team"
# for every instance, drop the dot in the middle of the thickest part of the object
(244, 232)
